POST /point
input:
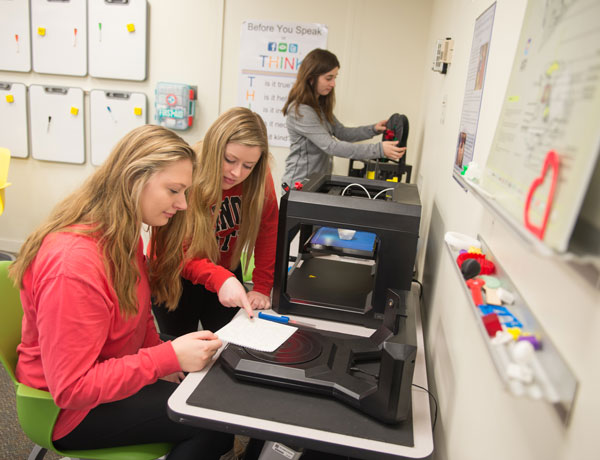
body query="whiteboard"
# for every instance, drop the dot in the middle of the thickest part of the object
(117, 39)
(59, 36)
(552, 103)
(15, 43)
(56, 124)
(112, 115)
(13, 119)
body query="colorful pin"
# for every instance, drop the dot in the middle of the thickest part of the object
(74, 111)
(131, 27)
(75, 37)
(49, 120)
(100, 32)
(137, 111)
(17, 40)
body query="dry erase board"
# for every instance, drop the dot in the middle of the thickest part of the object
(112, 115)
(56, 124)
(59, 36)
(117, 39)
(13, 119)
(15, 44)
(552, 104)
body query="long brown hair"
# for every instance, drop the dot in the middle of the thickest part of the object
(106, 207)
(239, 126)
(316, 63)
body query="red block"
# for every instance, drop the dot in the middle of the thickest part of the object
(492, 324)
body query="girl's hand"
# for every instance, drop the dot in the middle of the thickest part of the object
(259, 301)
(195, 350)
(391, 151)
(380, 126)
(233, 294)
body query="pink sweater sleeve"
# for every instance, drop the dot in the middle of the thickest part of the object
(203, 271)
(74, 320)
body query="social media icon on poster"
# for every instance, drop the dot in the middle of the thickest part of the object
(272, 46)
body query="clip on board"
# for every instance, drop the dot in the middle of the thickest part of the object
(13, 119)
(112, 115)
(117, 39)
(59, 37)
(56, 123)
(15, 42)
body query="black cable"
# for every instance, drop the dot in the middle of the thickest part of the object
(434, 400)
(420, 287)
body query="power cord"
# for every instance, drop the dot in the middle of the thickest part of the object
(420, 288)
(357, 185)
(434, 400)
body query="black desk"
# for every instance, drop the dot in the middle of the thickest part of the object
(305, 419)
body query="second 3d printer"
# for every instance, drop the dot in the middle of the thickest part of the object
(356, 239)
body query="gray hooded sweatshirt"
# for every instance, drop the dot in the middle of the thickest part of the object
(314, 143)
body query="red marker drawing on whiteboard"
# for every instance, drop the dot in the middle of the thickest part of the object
(17, 40)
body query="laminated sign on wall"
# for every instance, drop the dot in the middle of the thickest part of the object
(270, 55)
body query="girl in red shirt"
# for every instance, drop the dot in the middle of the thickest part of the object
(88, 336)
(233, 173)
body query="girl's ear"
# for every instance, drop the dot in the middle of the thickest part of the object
(311, 81)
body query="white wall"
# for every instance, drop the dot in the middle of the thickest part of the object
(381, 45)
(385, 48)
(184, 46)
(478, 418)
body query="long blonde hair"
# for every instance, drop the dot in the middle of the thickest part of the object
(240, 126)
(316, 63)
(107, 207)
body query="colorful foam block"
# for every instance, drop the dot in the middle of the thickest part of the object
(491, 324)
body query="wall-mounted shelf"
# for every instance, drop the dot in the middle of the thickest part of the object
(552, 379)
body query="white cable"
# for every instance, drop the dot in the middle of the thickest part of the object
(384, 190)
(350, 185)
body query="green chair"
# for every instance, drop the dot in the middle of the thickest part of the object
(35, 408)
(247, 274)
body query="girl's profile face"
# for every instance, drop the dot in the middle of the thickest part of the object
(164, 193)
(326, 82)
(238, 162)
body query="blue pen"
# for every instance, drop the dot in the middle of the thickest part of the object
(111, 114)
(283, 320)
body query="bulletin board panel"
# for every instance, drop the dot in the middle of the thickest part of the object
(15, 43)
(552, 103)
(59, 36)
(13, 119)
(117, 41)
(56, 124)
(112, 115)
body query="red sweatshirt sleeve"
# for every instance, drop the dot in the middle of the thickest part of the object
(266, 242)
(203, 271)
(74, 320)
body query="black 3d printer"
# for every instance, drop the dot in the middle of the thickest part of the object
(357, 248)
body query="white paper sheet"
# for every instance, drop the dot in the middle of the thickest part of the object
(258, 334)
